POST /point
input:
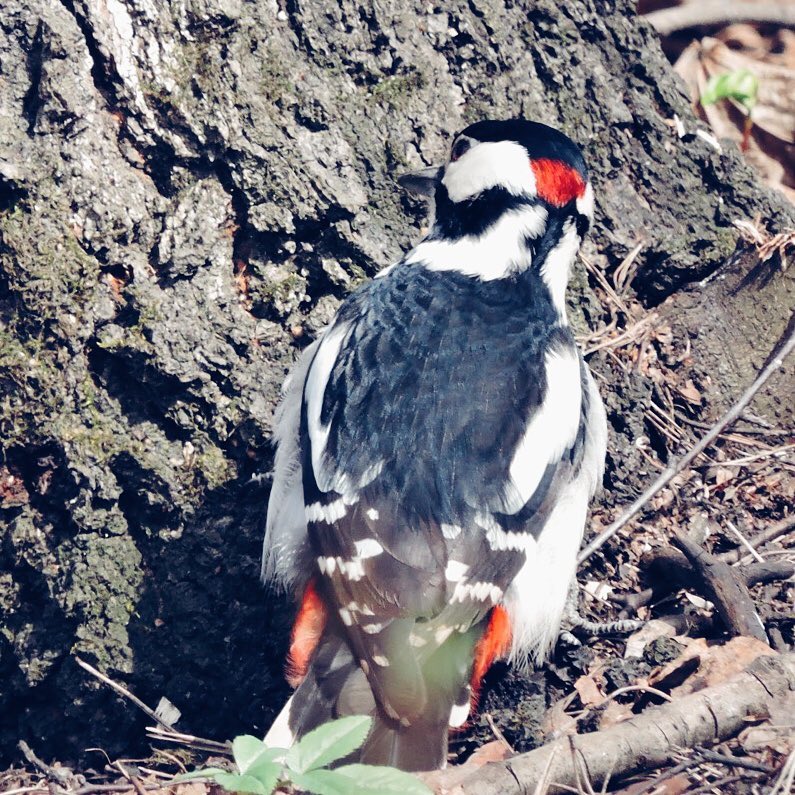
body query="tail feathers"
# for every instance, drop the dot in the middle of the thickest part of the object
(335, 686)
(421, 746)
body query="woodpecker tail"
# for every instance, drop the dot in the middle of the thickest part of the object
(433, 684)
(335, 686)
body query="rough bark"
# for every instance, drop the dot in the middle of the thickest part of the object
(186, 192)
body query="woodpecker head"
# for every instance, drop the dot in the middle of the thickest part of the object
(518, 191)
(507, 163)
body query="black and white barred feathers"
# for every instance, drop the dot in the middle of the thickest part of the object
(437, 450)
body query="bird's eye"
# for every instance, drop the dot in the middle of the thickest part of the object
(459, 148)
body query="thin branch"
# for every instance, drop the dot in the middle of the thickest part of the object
(27, 790)
(495, 729)
(189, 740)
(63, 777)
(719, 12)
(777, 529)
(745, 542)
(121, 690)
(735, 761)
(672, 471)
(723, 587)
(717, 786)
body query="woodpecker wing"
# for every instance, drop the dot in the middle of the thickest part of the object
(431, 457)
(286, 556)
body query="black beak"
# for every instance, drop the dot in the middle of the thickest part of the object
(422, 182)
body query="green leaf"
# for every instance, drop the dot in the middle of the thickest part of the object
(236, 783)
(207, 772)
(376, 780)
(741, 85)
(323, 782)
(267, 773)
(328, 742)
(247, 750)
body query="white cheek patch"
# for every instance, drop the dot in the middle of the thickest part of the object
(503, 164)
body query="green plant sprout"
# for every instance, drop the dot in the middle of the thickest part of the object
(742, 86)
(260, 770)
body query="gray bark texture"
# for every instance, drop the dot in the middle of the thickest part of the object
(187, 191)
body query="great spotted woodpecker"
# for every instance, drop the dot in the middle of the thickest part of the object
(437, 450)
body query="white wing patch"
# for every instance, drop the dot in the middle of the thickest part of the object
(330, 513)
(316, 383)
(455, 570)
(498, 252)
(279, 734)
(285, 527)
(537, 595)
(367, 548)
(551, 430)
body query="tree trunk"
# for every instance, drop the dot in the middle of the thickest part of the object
(187, 190)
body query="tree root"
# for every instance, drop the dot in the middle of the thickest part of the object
(719, 12)
(640, 744)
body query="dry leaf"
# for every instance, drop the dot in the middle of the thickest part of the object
(771, 148)
(651, 630)
(558, 722)
(676, 785)
(494, 751)
(599, 590)
(449, 780)
(702, 665)
(589, 690)
(689, 392)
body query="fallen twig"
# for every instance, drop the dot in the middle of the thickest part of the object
(724, 588)
(783, 785)
(62, 777)
(712, 786)
(669, 570)
(776, 530)
(776, 360)
(734, 761)
(719, 12)
(27, 791)
(188, 740)
(121, 690)
(643, 742)
(744, 541)
(767, 571)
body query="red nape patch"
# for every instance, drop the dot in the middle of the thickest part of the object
(493, 644)
(307, 629)
(556, 182)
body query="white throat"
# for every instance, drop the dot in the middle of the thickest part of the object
(500, 251)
